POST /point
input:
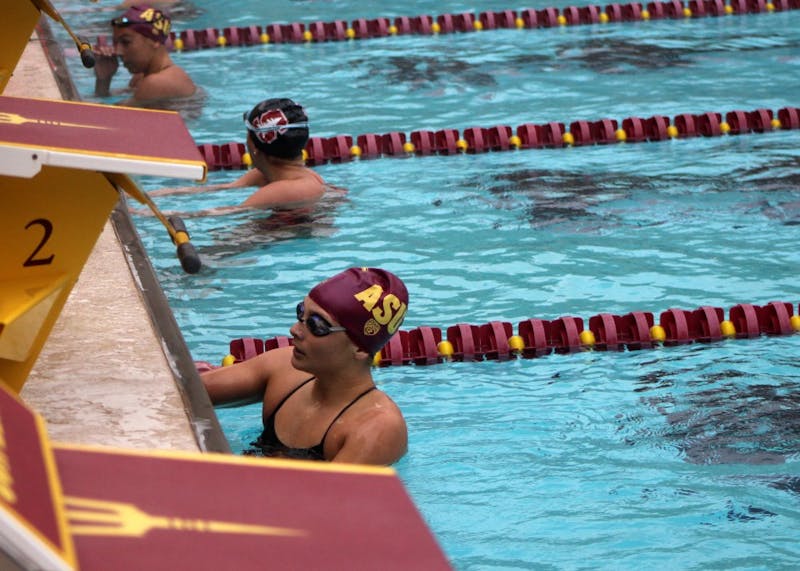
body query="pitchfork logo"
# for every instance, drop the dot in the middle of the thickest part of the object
(270, 121)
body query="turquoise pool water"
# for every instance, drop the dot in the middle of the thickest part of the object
(683, 457)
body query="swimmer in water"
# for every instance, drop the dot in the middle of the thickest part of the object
(277, 133)
(138, 40)
(319, 400)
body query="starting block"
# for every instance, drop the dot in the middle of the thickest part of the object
(62, 165)
(181, 510)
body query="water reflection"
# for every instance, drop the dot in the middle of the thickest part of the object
(729, 421)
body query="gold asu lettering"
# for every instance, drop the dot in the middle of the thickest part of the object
(370, 297)
(162, 25)
(397, 319)
(390, 303)
(391, 311)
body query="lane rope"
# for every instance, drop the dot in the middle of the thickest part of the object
(474, 140)
(525, 19)
(500, 341)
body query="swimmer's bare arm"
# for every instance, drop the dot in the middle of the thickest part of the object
(282, 194)
(247, 381)
(240, 383)
(253, 177)
(216, 211)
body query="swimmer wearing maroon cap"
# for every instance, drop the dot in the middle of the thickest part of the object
(319, 399)
(138, 40)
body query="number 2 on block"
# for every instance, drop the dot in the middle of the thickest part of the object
(33, 260)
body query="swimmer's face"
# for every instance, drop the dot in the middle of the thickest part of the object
(135, 50)
(317, 353)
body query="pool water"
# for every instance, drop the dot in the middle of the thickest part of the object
(685, 457)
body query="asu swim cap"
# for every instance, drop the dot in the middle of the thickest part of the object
(369, 302)
(279, 128)
(145, 20)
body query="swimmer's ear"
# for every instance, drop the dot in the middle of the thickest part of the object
(250, 146)
(360, 354)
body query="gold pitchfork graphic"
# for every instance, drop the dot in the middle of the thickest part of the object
(15, 119)
(99, 517)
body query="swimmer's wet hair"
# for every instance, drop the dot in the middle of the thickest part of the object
(278, 127)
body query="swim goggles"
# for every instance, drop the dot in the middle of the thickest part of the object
(145, 18)
(156, 29)
(158, 24)
(271, 128)
(123, 21)
(316, 324)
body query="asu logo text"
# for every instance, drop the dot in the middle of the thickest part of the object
(389, 311)
(157, 20)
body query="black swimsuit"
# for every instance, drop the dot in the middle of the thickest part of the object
(271, 445)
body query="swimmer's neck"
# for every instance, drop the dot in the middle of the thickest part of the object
(281, 163)
(159, 63)
(274, 168)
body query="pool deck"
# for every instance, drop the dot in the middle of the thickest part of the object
(115, 370)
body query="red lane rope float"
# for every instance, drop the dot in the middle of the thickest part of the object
(362, 28)
(496, 340)
(341, 148)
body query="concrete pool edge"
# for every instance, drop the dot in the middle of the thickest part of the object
(206, 427)
(88, 375)
(203, 419)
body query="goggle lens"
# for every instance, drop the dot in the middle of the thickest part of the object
(316, 324)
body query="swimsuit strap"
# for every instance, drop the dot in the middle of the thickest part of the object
(341, 412)
(284, 399)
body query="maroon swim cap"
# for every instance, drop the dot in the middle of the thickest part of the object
(369, 302)
(145, 20)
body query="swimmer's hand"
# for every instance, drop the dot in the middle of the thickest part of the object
(106, 64)
(190, 189)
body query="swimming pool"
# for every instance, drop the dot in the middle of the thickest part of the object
(684, 457)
